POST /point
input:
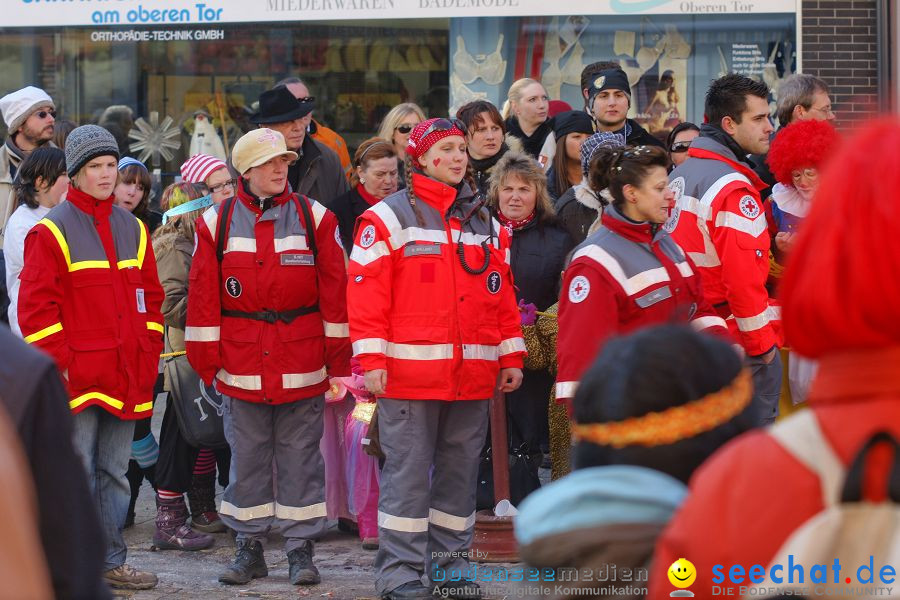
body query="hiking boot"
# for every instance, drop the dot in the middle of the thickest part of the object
(411, 590)
(302, 569)
(202, 500)
(249, 563)
(172, 532)
(460, 589)
(126, 577)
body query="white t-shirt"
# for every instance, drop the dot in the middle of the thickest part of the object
(18, 226)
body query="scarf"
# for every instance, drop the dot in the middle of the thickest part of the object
(481, 167)
(365, 195)
(512, 225)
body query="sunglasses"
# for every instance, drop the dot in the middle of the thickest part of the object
(444, 125)
(231, 183)
(679, 147)
(307, 99)
(42, 114)
(404, 129)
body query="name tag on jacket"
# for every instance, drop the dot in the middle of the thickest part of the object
(291, 260)
(653, 297)
(421, 249)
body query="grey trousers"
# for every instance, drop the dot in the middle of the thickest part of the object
(766, 387)
(426, 517)
(277, 475)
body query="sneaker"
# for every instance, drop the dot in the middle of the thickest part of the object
(301, 567)
(411, 590)
(126, 577)
(460, 589)
(249, 563)
(208, 522)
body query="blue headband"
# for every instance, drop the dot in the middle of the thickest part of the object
(187, 207)
(128, 160)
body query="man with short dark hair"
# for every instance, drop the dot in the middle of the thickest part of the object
(317, 172)
(720, 222)
(800, 97)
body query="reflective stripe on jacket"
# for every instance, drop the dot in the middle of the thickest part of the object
(719, 221)
(441, 332)
(90, 297)
(623, 277)
(268, 265)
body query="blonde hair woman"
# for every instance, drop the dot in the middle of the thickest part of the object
(525, 111)
(396, 127)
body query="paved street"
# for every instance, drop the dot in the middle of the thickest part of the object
(346, 568)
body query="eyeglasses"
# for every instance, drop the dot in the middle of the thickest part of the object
(444, 125)
(42, 114)
(825, 110)
(307, 99)
(405, 128)
(231, 183)
(679, 147)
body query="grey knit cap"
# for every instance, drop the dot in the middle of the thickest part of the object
(86, 143)
(601, 139)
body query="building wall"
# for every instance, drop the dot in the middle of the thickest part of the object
(840, 47)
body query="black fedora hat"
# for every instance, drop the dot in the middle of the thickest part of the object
(279, 105)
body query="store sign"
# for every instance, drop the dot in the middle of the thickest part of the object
(54, 13)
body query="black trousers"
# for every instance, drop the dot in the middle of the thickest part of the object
(175, 467)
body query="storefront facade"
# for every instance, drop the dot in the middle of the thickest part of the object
(115, 61)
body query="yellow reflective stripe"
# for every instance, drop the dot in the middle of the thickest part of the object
(143, 407)
(76, 402)
(60, 239)
(142, 245)
(303, 513)
(449, 521)
(128, 263)
(154, 326)
(246, 514)
(46, 331)
(88, 264)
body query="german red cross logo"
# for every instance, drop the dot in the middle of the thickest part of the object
(749, 207)
(579, 288)
(367, 237)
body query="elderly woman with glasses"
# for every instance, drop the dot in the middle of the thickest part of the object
(211, 172)
(396, 127)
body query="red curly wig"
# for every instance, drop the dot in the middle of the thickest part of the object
(801, 145)
(840, 289)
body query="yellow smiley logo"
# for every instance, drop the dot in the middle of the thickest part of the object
(682, 573)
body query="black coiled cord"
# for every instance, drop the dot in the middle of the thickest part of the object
(461, 251)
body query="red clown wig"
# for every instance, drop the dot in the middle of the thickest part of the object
(841, 288)
(801, 145)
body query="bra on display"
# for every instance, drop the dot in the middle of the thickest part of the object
(492, 69)
(554, 75)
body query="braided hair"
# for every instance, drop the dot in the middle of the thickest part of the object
(613, 169)
(411, 193)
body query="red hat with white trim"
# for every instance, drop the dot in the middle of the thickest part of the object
(200, 166)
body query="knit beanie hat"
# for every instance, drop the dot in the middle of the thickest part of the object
(19, 105)
(664, 397)
(200, 166)
(427, 133)
(608, 79)
(128, 161)
(572, 121)
(601, 139)
(86, 143)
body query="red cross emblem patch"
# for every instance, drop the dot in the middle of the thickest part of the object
(367, 237)
(579, 288)
(749, 207)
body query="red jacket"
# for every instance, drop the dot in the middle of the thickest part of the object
(623, 277)
(441, 332)
(268, 269)
(746, 500)
(720, 222)
(90, 297)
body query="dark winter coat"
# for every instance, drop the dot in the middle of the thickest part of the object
(533, 143)
(318, 173)
(348, 207)
(577, 210)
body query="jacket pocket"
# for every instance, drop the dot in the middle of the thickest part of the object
(93, 303)
(300, 351)
(420, 358)
(96, 363)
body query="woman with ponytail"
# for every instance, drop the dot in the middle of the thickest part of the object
(629, 273)
(434, 322)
